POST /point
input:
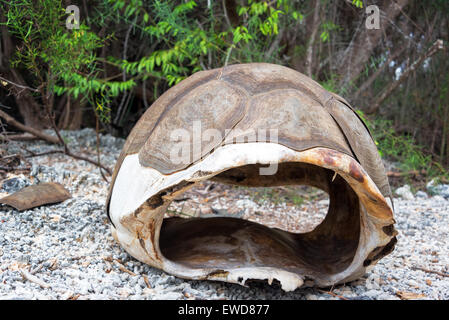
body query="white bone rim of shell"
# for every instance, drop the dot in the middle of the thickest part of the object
(135, 184)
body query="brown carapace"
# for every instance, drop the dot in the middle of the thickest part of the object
(319, 141)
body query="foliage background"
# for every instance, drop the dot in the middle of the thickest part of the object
(128, 52)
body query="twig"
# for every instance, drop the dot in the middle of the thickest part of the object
(44, 153)
(74, 297)
(275, 44)
(70, 154)
(333, 294)
(379, 70)
(227, 56)
(61, 140)
(39, 268)
(18, 137)
(28, 276)
(19, 85)
(144, 92)
(27, 150)
(10, 120)
(402, 174)
(225, 11)
(123, 268)
(175, 212)
(432, 271)
(16, 169)
(147, 282)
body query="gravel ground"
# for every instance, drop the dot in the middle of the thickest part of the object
(68, 252)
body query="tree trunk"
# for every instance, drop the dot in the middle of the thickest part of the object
(72, 115)
(29, 109)
(310, 45)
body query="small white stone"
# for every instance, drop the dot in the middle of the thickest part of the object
(438, 198)
(405, 192)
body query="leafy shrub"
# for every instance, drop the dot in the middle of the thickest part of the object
(401, 148)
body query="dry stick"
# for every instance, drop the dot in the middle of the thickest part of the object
(438, 45)
(123, 268)
(44, 153)
(147, 282)
(19, 137)
(5, 137)
(10, 120)
(16, 169)
(70, 154)
(125, 49)
(432, 271)
(64, 144)
(59, 140)
(402, 174)
(28, 276)
(19, 85)
(333, 294)
(144, 92)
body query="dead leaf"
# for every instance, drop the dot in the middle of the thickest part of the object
(410, 295)
(37, 195)
(74, 297)
(56, 218)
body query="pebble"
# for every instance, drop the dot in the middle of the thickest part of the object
(405, 192)
(421, 195)
(15, 184)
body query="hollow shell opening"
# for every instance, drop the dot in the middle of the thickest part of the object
(356, 232)
(225, 243)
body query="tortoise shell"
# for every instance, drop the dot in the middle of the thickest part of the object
(253, 96)
(320, 141)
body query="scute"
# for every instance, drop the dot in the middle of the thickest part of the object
(300, 121)
(257, 78)
(143, 128)
(214, 105)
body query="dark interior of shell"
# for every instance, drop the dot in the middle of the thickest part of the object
(227, 242)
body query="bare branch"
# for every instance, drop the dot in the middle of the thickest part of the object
(28, 276)
(438, 45)
(379, 70)
(225, 11)
(19, 85)
(61, 140)
(10, 120)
